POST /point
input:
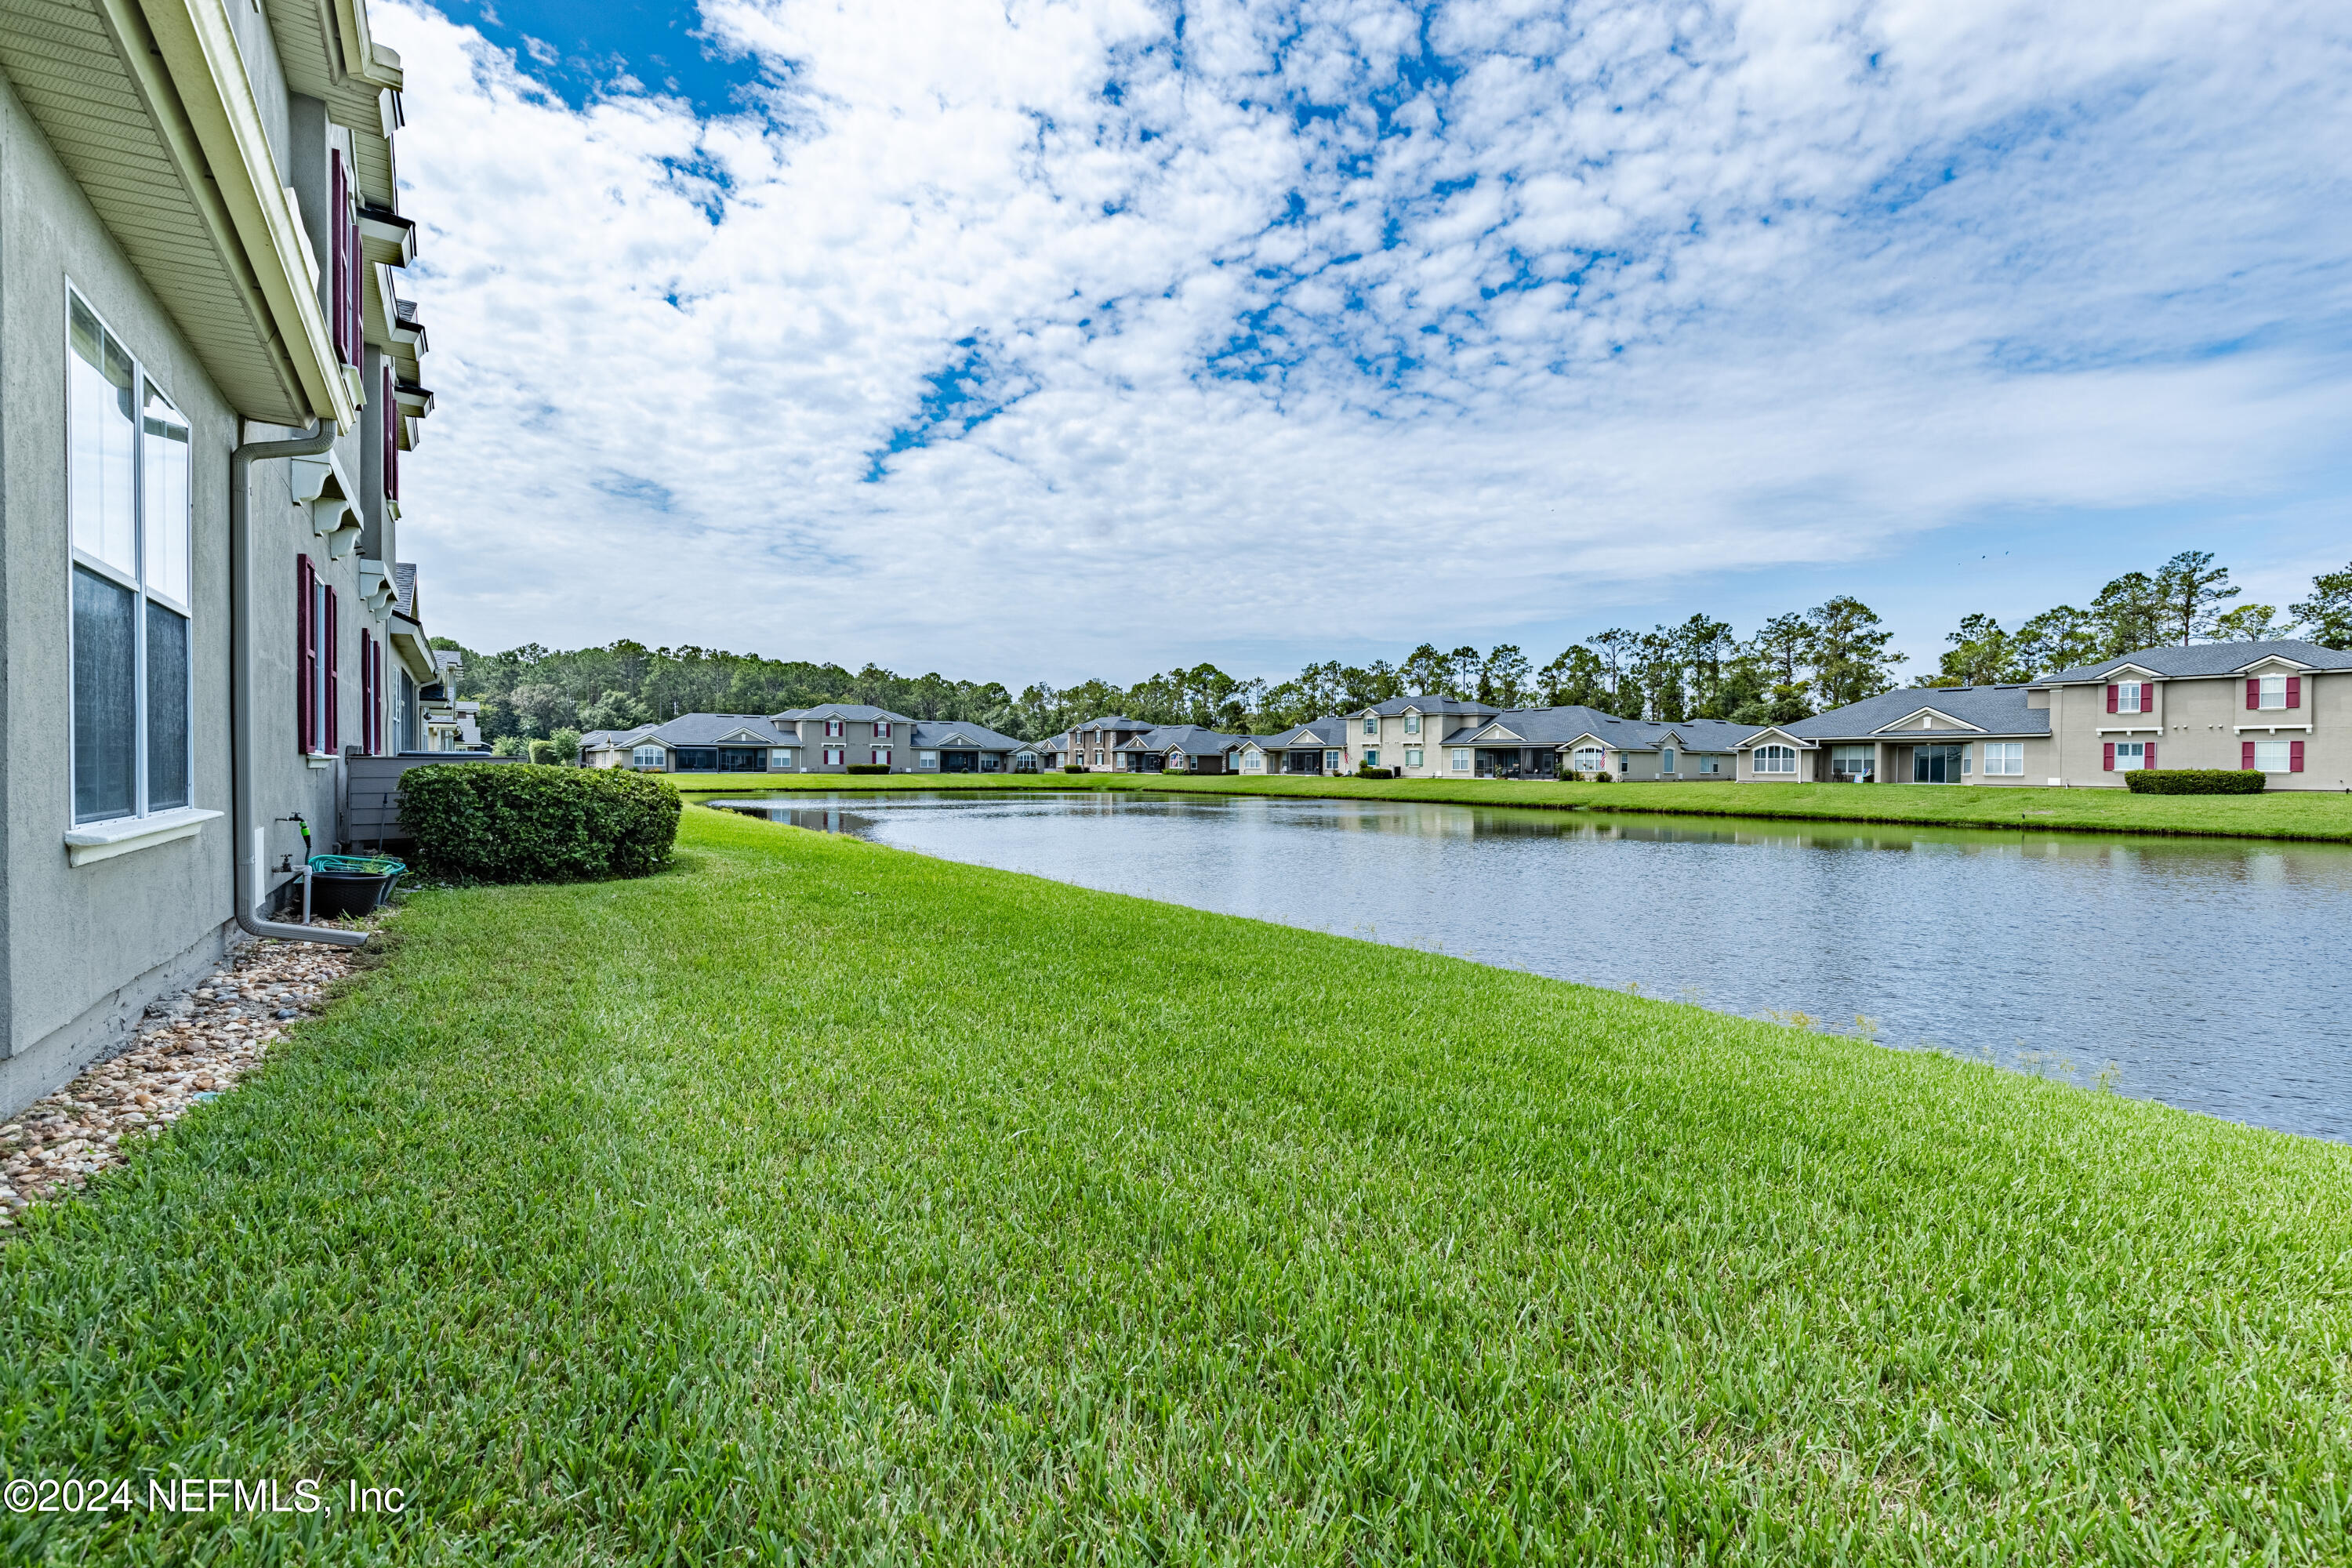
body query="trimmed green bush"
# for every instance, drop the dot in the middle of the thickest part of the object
(1376, 773)
(2193, 781)
(1074, 767)
(1600, 777)
(518, 822)
(866, 768)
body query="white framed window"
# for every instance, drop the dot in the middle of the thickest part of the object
(1711, 764)
(1098, 759)
(927, 762)
(130, 479)
(2004, 759)
(2270, 756)
(646, 757)
(1252, 762)
(1665, 759)
(779, 759)
(1371, 757)
(1461, 759)
(1776, 759)
(1412, 756)
(1372, 724)
(832, 728)
(1590, 760)
(881, 728)
(1331, 761)
(2130, 756)
(2131, 696)
(2273, 694)
(836, 756)
(1412, 723)
(879, 757)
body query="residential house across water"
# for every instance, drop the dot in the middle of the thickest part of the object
(831, 737)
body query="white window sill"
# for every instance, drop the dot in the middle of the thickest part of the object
(104, 840)
(2272, 729)
(2131, 729)
(316, 761)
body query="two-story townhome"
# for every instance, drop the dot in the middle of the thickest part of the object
(206, 386)
(2281, 708)
(1095, 744)
(1930, 734)
(1407, 734)
(835, 736)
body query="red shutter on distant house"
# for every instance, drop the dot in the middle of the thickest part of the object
(2294, 756)
(2111, 696)
(2246, 755)
(2254, 691)
(335, 688)
(306, 657)
(2149, 760)
(2295, 691)
(2109, 765)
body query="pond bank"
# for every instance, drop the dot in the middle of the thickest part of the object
(816, 1196)
(2318, 816)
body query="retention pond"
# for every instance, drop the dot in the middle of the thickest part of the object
(2207, 973)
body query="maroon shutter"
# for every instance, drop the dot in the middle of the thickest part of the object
(337, 201)
(2149, 760)
(334, 689)
(2294, 756)
(306, 656)
(2111, 696)
(2246, 755)
(358, 328)
(2109, 763)
(2254, 691)
(2295, 691)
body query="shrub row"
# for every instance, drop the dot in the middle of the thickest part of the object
(866, 768)
(2193, 781)
(520, 822)
(1376, 773)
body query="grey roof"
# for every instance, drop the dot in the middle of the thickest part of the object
(1426, 703)
(707, 729)
(1192, 739)
(1558, 726)
(932, 735)
(1313, 735)
(855, 712)
(1981, 710)
(1110, 721)
(404, 588)
(2207, 658)
(617, 737)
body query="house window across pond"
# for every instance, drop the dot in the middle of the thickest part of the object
(881, 756)
(1666, 760)
(1461, 763)
(1412, 723)
(835, 756)
(1590, 760)
(1371, 757)
(646, 757)
(1776, 760)
(130, 476)
(1854, 764)
(1711, 764)
(1412, 756)
(927, 762)
(779, 759)
(2004, 759)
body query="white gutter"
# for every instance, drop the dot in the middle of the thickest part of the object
(248, 826)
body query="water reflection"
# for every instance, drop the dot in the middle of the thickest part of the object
(2199, 971)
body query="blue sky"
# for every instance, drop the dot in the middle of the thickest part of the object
(1052, 339)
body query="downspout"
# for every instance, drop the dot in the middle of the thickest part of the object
(248, 822)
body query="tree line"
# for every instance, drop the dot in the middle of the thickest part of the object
(1795, 664)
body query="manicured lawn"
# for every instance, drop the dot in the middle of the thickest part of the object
(817, 1202)
(2299, 814)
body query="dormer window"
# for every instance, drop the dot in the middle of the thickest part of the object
(1372, 724)
(2130, 697)
(831, 729)
(881, 728)
(1412, 723)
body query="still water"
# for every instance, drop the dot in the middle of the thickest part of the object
(2207, 974)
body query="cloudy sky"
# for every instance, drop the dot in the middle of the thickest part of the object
(1020, 340)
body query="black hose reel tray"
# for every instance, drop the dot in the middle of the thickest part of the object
(346, 885)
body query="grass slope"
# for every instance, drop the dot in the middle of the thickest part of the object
(2303, 813)
(818, 1201)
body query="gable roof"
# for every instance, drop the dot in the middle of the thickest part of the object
(2204, 658)
(960, 735)
(1979, 710)
(1426, 703)
(721, 728)
(855, 712)
(1315, 732)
